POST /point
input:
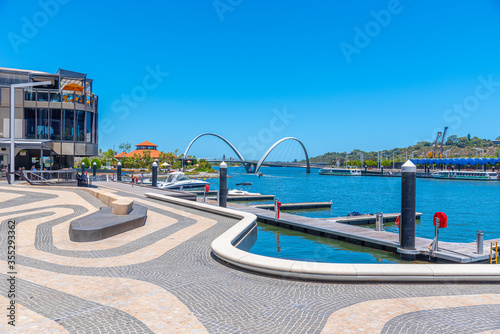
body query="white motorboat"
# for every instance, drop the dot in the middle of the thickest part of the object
(341, 172)
(241, 190)
(178, 180)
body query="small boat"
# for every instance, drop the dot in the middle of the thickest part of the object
(241, 191)
(340, 172)
(466, 175)
(178, 180)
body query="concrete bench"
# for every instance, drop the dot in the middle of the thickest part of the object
(104, 223)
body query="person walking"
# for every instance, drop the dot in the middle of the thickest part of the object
(133, 179)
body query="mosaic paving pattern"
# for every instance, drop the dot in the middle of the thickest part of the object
(162, 278)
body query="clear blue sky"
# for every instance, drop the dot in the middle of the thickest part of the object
(229, 67)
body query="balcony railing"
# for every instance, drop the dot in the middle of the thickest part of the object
(56, 96)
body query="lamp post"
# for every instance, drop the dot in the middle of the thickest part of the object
(393, 158)
(446, 153)
(13, 123)
(412, 154)
(362, 157)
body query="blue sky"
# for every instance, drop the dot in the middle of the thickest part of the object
(255, 71)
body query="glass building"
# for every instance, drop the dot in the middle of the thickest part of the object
(56, 122)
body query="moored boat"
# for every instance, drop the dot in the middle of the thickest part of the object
(466, 175)
(340, 172)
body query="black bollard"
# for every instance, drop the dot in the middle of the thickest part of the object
(94, 169)
(407, 223)
(154, 181)
(492, 168)
(223, 185)
(119, 172)
(83, 168)
(366, 168)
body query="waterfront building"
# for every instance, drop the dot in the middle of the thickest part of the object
(139, 149)
(57, 121)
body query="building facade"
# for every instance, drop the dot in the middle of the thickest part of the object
(56, 122)
(139, 150)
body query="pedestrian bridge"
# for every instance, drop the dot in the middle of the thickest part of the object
(253, 166)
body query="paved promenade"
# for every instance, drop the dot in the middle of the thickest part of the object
(161, 278)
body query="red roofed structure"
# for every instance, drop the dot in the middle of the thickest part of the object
(139, 149)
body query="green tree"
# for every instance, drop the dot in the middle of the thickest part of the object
(86, 161)
(97, 162)
(109, 154)
(125, 147)
(386, 163)
(468, 136)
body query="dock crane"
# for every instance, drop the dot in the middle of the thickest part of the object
(442, 141)
(430, 154)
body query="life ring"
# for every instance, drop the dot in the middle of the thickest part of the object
(397, 221)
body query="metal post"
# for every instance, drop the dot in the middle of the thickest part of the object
(479, 242)
(154, 181)
(223, 185)
(408, 202)
(94, 169)
(436, 235)
(83, 168)
(119, 172)
(41, 157)
(379, 223)
(382, 170)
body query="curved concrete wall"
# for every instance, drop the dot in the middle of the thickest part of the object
(223, 247)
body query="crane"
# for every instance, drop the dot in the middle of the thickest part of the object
(442, 141)
(430, 154)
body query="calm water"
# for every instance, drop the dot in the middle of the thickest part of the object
(469, 205)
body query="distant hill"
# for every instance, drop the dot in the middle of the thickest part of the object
(457, 147)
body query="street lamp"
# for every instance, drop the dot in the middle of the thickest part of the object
(12, 120)
(393, 158)
(412, 154)
(446, 153)
(362, 157)
(480, 149)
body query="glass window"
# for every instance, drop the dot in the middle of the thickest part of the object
(80, 125)
(42, 124)
(55, 97)
(68, 124)
(55, 124)
(88, 135)
(29, 96)
(43, 96)
(29, 123)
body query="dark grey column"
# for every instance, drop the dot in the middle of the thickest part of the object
(408, 202)
(382, 170)
(94, 169)
(119, 172)
(154, 180)
(223, 185)
(83, 168)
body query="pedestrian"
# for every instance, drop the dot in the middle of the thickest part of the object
(133, 181)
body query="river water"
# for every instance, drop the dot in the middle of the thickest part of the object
(469, 205)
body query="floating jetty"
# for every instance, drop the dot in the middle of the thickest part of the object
(296, 206)
(447, 251)
(367, 219)
(245, 198)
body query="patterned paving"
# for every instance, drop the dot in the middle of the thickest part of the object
(161, 278)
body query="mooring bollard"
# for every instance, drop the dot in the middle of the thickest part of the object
(408, 202)
(119, 172)
(479, 242)
(154, 181)
(94, 169)
(379, 223)
(83, 168)
(223, 184)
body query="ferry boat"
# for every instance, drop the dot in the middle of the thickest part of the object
(340, 172)
(466, 175)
